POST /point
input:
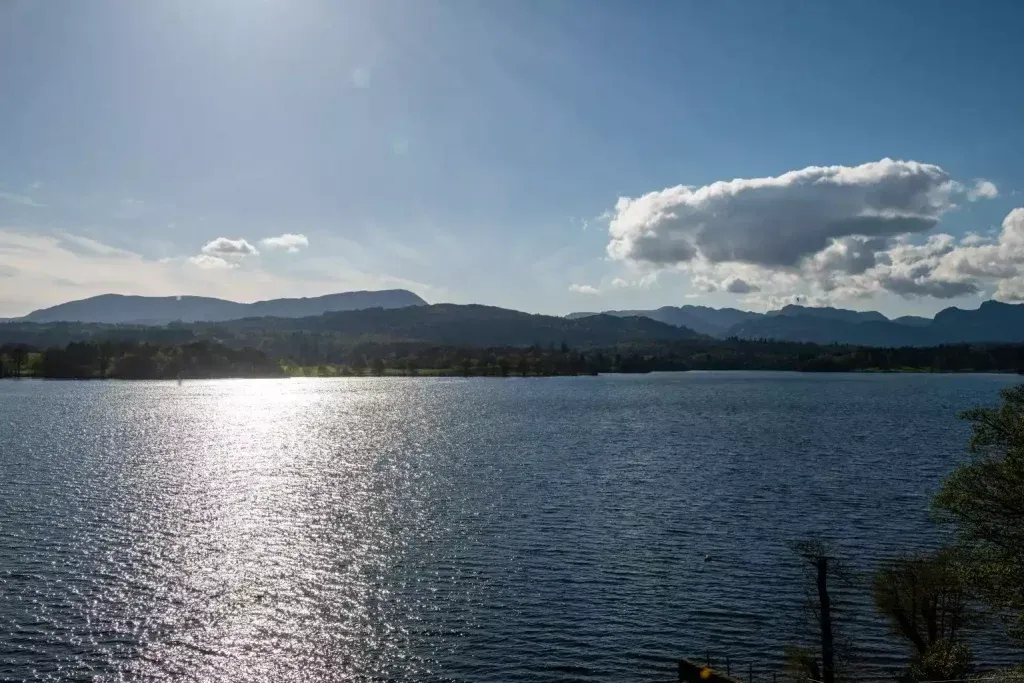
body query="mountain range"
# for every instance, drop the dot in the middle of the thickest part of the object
(401, 314)
(993, 321)
(160, 310)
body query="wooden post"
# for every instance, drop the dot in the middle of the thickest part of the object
(709, 658)
(728, 671)
(750, 673)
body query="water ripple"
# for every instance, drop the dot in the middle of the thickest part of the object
(453, 530)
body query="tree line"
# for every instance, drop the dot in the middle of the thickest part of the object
(135, 360)
(303, 353)
(537, 360)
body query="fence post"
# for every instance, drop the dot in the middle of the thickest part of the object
(728, 671)
(750, 673)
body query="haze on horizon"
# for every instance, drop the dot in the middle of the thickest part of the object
(547, 157)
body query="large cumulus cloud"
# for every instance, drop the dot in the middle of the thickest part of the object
(843, 231)
(780, 221)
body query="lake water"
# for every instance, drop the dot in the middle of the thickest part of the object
(448, 529)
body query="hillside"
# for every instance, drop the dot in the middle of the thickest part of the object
(827, 313)
(472, 325)
(152, 310)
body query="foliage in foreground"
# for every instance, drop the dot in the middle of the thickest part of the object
(984, 499)
(931, 600)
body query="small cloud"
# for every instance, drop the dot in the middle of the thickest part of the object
(224, 246)
(21, 199)
(983, 189)
(289, 242)
(737, 285)
(644, 282)
(207, 262)
(35, 185)
(584, 289)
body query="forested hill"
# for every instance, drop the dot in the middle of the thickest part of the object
(156, 310)
(446, 324)
(474, 325)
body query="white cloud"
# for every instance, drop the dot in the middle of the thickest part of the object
(779, 221)
(289, 242)
(227, 247)
(821, 233)
(941, 267)
(640, 280)
(211, 262)
(983, 189)
(584, 289)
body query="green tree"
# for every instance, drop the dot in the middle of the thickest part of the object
(985, 500)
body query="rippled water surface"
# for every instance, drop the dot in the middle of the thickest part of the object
(445, 529)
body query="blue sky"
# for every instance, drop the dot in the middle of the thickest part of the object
(477, 151)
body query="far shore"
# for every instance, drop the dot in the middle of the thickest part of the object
(435, 373)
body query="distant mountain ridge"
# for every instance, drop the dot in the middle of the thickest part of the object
(828, 313)
(160, 310)
(400, 314)
(441, 324)
(714, 322)
(993, 321)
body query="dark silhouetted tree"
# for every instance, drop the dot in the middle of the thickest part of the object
(927, 601)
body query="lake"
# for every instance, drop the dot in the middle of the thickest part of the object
(455, 530)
